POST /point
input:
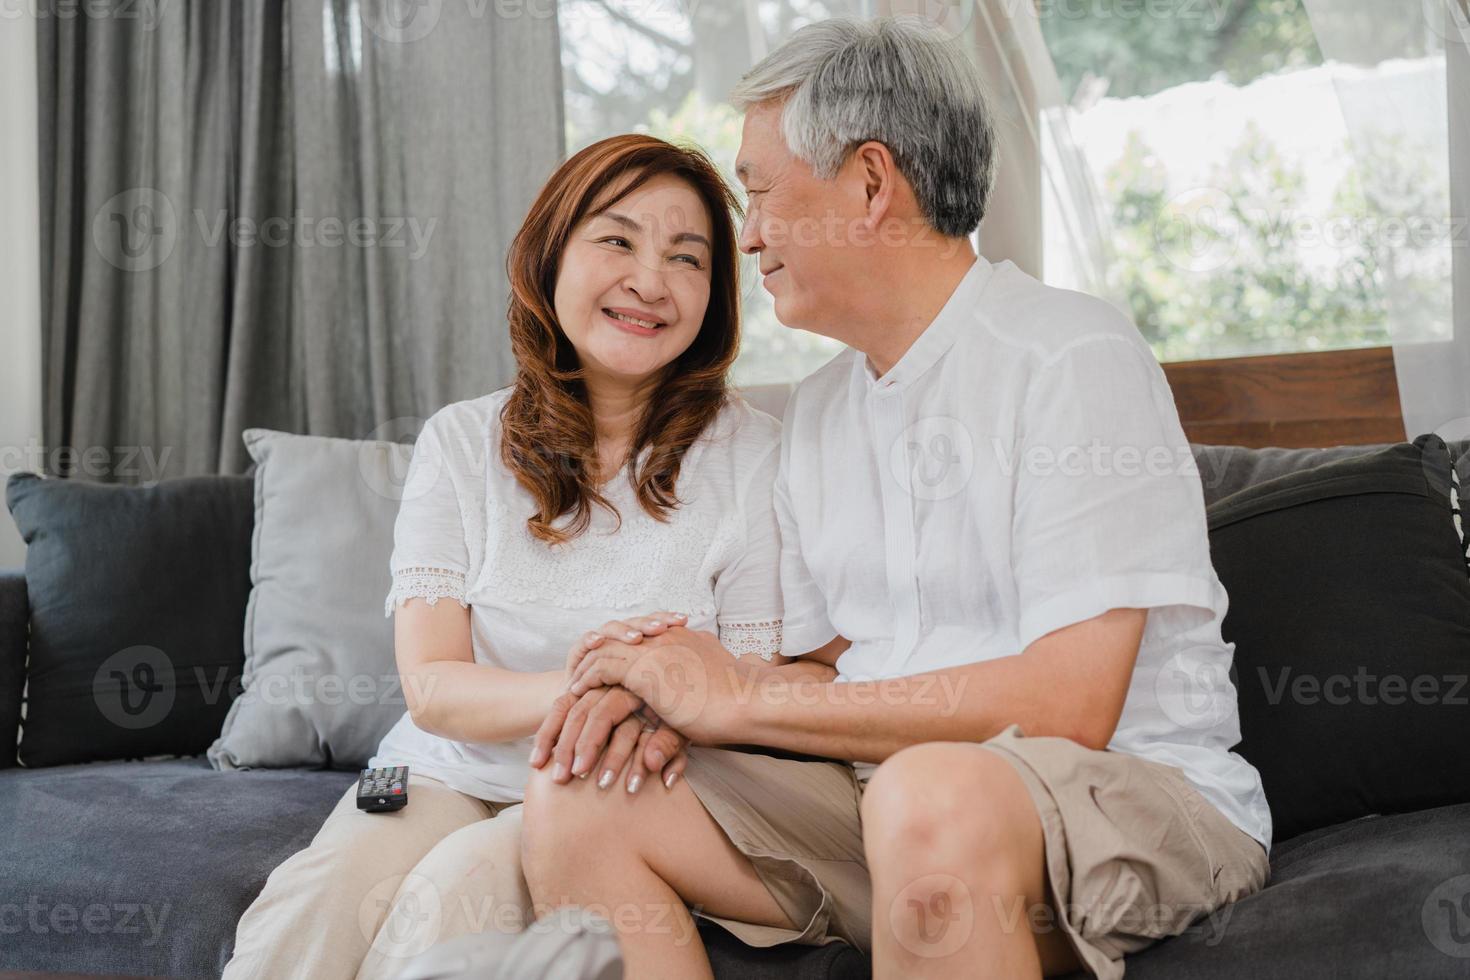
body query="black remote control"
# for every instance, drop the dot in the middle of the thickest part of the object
(383, 790)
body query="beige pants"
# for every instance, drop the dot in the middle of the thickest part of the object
(376, 889)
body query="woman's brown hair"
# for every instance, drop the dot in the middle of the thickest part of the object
(548, 437)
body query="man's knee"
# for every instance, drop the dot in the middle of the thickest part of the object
(948, 800)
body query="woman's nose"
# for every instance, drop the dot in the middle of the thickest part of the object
(648, 284)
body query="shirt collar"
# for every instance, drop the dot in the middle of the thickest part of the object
(937, 338)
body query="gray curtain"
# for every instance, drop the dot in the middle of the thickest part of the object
(289, 214)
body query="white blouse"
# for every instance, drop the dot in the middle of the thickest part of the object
(461, 534)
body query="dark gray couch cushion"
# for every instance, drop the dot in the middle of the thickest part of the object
(1375, 898)
(164, 856)
(13, 614)
(137, 608)
(1350, 615)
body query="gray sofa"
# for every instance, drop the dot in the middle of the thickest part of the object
(143, 867)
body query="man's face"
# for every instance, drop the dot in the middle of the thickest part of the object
(802, 228)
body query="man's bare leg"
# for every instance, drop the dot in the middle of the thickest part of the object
(958, 863)
(639, 858)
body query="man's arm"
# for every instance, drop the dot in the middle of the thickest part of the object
(1071, 682)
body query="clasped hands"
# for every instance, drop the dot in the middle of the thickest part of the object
(638, 690)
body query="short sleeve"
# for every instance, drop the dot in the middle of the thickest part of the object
(807, 626)
(748, 590)
(430, 558)
(1109, 510)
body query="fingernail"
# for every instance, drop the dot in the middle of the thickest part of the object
(632, 634)
(655, 622)
(669, 779)
(679, 616)
(536, 758)
(658, 757)
(592, 637)
(560, 772)
(583, 775)
(577, 766)
(634, 783)
(606, 779)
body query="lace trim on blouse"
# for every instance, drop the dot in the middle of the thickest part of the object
(429, 584)
(762, 639)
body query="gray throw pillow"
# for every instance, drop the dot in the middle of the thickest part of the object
(320, 684)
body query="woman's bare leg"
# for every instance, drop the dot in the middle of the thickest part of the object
(638, 859)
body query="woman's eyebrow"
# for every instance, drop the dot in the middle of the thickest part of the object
(631, 225)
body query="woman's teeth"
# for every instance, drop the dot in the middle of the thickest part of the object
(645, 324)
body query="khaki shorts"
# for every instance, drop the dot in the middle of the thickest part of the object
(1134, 853)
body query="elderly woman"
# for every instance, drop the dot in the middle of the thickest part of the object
(615, 477)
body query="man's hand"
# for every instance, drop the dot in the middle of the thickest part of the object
(685, 676)
(630, 630)
(611, 724)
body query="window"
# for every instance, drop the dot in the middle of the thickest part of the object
(1259, 196)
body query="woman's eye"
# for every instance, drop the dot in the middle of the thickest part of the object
(621, 241)
(690, 259)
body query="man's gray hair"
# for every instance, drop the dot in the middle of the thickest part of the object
(899, 81)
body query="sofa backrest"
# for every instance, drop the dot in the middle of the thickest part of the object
(1223, 470)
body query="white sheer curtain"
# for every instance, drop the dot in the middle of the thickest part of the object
(1402, 77)
(1046, 215)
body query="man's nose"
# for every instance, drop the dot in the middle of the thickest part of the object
(750, 241)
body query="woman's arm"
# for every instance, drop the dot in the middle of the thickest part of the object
(448, 694)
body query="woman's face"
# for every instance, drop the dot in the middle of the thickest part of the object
(634, 280)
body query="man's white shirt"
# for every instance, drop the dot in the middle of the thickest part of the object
(1020, 469)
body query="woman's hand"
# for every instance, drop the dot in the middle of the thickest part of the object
(631, 630)
(613, 725)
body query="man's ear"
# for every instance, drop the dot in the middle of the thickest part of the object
(880, 177)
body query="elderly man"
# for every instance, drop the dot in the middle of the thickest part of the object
(992, 528)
